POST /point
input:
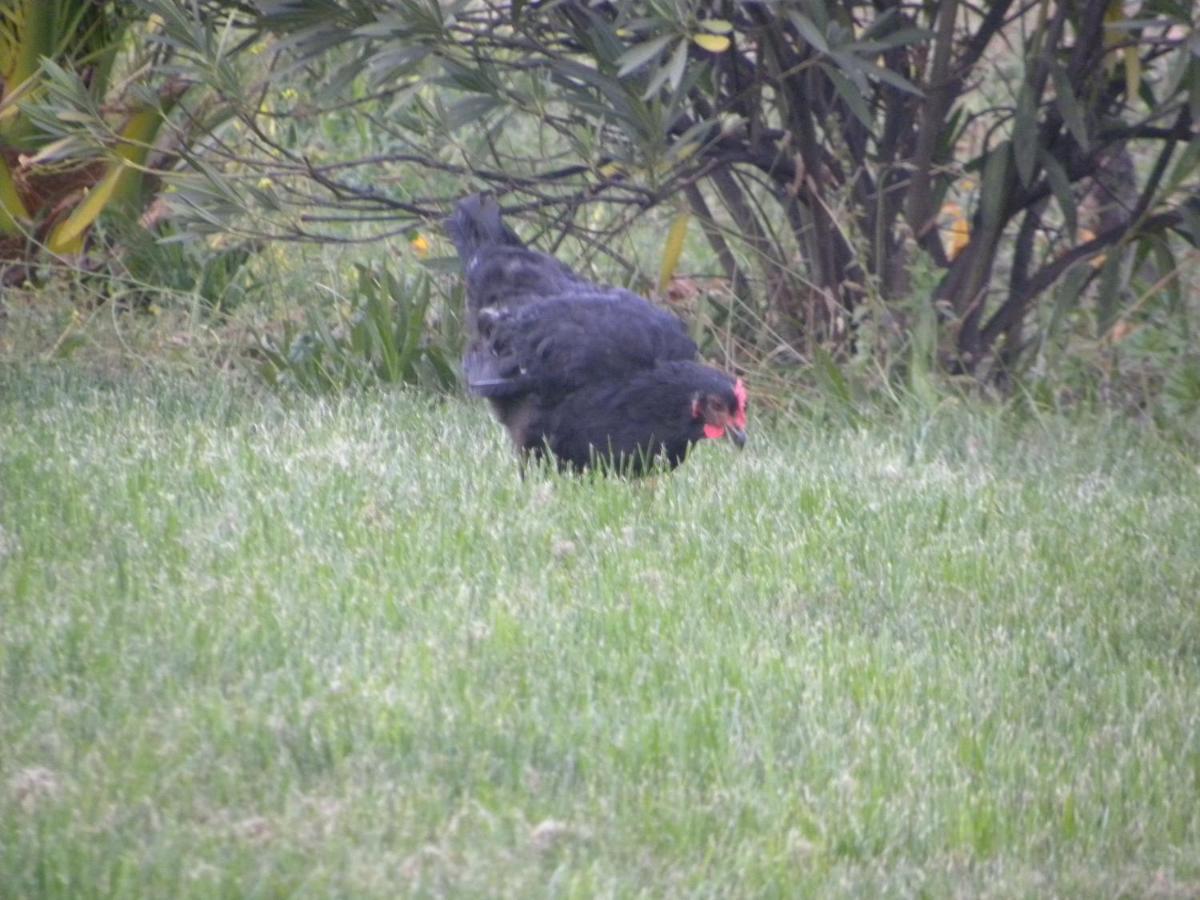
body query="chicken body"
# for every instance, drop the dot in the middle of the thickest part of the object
(594, 375)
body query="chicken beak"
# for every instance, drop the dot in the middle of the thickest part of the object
(735, 434)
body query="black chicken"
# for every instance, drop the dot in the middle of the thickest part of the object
(595, 374)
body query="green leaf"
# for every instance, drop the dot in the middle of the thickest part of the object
(1184, 166)
(416, 320)
(637, 56)
(387, 66)
(1191, 223)
(995, 183)
(673, 249)
(895, 79)
(1165, 264)
(1193, 80)
(879, 73)
(672, 72)
(603, 41)
(469, 110)
(1025, 134)
(851, 96)
(1060, 186)
(899, 38)
(1066, 296)
(808, 30)
(678, 63)
(1108, 297)
(569, 72)
(1068, 105)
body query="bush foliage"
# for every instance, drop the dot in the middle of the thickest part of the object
(978, 186)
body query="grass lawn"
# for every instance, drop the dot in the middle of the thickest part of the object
(253, 647)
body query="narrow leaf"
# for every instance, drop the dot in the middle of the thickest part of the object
(637, 56)
(659, 78)
(1184, 166)
(1025, 137)
(1166, 264)
(1193, 80)
(851, 63)
(713, 43)
(1060, 186)
(469, 110)
(1109, 294)
(673, 249)
(995, 183)
(1133, 73)
(1068, 105)
(851, 96)
(678, 62)
(895, 79)
(1067, 294)
(898, 38)
(1191, 224)
(808, 30)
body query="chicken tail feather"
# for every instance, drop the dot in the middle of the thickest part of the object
(477, 224)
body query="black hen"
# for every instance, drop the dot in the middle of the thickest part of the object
(594, 374)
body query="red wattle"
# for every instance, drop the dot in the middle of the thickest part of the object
(714, 431)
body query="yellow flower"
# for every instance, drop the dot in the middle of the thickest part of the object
(420, 245)
(960, 229)
(1085, 235)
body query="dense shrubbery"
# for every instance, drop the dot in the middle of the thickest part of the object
(1008, 193)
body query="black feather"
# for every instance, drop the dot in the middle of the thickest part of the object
(594, 374)
(560, 344)
(629, 423)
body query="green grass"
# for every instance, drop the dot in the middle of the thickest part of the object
(252, 647)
